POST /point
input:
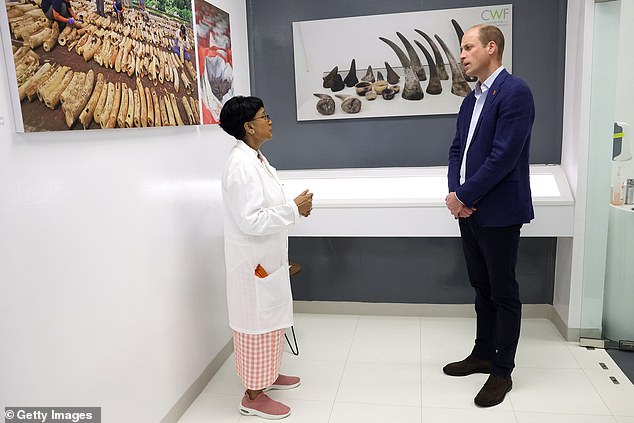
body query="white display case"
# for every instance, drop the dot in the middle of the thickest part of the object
(411, 202)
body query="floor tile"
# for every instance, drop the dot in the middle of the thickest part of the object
(541, 329)
(226, 381)
(389, 369)
(540, 345)
(624, 360)
(320, 380)
(618, 397)
(324, 337)
(211, 407)
(555, 391)
(561, 418)
(344, 412)
(444, 340)
(301, 412)
(590, 358)
(373, 383)
(544, 353)
(386, 340)
(442, 391)
(480, 415)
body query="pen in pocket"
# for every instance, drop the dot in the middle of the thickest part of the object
(260, 272)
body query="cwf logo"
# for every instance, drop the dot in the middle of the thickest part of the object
(495, 14)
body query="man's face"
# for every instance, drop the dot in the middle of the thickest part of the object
(475, 57)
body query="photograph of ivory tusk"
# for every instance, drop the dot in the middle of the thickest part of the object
(112, 63)
(399, 64)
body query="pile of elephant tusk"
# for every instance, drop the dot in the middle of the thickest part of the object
(138, 48)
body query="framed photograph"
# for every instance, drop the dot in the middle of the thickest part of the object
(215, 63)
(398, 64)
(101, 64)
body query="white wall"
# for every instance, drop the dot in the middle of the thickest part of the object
(111, 260)
(574, 156)
(578, 283)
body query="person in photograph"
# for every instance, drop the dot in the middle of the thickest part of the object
(144, 13)
(100, 8)
(257, 217)
(490, 196)
(181, 43)
(60, 11)
(118, 7)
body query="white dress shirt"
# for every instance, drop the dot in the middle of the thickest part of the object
(481, 90)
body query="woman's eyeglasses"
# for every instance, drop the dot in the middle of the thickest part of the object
(267, 117)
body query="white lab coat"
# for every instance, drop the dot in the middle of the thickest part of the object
(257, 218)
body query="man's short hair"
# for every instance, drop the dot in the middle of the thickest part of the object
(488, 33)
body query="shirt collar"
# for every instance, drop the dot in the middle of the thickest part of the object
(484, 87)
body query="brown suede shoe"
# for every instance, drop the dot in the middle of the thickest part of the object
(468, 366)
(493, 391)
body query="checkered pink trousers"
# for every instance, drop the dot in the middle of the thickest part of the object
(258, 357)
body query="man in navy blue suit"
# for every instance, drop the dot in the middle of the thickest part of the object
(489, 194)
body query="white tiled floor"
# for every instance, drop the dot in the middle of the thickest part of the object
(389, 369)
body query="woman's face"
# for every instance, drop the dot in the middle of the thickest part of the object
(262, 125)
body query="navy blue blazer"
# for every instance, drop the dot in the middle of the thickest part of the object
(497, 180)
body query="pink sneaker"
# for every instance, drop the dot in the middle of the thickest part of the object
(264, 407)
(284, 382)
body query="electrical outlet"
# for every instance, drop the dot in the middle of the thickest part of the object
(626, 345)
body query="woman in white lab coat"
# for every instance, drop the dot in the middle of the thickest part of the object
(257, 219)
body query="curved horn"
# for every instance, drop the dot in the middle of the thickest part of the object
(392, 77)
(325, 105)
(460, 33)
(412, 89)
(369, 75)
(351, 79)
(417, 66)
(349, 104)
(458, 84)
(434, 86)
(337, 83)
(440, 65)
(328, 79)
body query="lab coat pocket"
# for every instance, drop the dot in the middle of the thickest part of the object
(273, 290)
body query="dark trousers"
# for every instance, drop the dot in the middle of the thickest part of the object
(100, 8)
(491, 256)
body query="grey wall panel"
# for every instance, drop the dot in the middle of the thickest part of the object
(538, 58)
(407, 270)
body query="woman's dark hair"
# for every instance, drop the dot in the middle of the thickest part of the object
(183, 33)
(236, 112)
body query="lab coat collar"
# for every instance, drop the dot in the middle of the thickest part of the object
(244, 146)
(253, 153)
